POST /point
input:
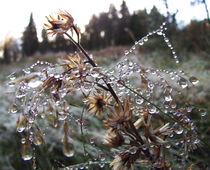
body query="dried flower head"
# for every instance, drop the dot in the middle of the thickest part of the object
(74, 61)
(120, 117)
(97, 103)
(60, 24)
(113, 139)
(124, 161)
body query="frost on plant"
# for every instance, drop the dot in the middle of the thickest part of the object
(145, 125)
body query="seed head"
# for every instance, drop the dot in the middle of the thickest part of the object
(60, 23)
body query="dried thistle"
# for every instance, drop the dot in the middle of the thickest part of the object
(120, 117)
(97, 103)
(59, 24)
(113, 139)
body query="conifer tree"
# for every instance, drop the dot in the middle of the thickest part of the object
(113, 26)
(44, 45)
(123, 26)
(29, 40)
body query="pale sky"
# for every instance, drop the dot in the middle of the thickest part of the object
(14, 14)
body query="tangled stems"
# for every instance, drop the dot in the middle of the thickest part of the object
(162, 112)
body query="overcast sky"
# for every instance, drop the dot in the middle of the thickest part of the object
(14, 14)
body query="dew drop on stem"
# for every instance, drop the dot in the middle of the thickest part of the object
(183, 82)
(194, 80)
(27, 151)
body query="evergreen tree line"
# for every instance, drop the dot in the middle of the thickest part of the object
(112, 28)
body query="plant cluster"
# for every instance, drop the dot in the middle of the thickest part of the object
(141, 129)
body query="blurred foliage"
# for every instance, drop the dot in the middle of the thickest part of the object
(195, 37)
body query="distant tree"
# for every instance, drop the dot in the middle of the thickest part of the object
(103, 25)
(6, 54)
(139, 23)
(29, 40)
(45, 44)
(123, 36)
(59, 43)
(92, 34)
(11, 51)
(155, 19)
(196, 36)
(112, 29)
(102, 30)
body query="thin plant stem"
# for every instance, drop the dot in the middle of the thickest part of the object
(207, 11)
(78, 45)
(82, 133)
(87, 164)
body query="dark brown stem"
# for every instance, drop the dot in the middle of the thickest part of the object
(146, 152)
(82, 49)
(77, 44)
(136, 132)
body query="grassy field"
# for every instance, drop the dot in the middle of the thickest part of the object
(51, 154)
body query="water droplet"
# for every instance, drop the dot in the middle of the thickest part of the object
(177, 61)
(67, 147)
(20, 94)
(167, 97)
(12, 76)
(92, 141)
(23, 140)
(34, 83)
(102, 158)
(133, 150)
(31, 119)
(38, 140)
(145, 39)
(62, 116)
(194, 80)
(182, 82)
(95, 72)
(26, 151)
(166, 40)
(173, 104)
(139, 101)
(151, 109)
(150, 85)
(126, 52)
(179, 130)
(168, 146)
(101, 165)
(197, 141)
(13, 108)
(141, 42)
(27, 71)
(34, 163)
(21, 124)
(160, 32)
(134, 47)
(202, 112)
